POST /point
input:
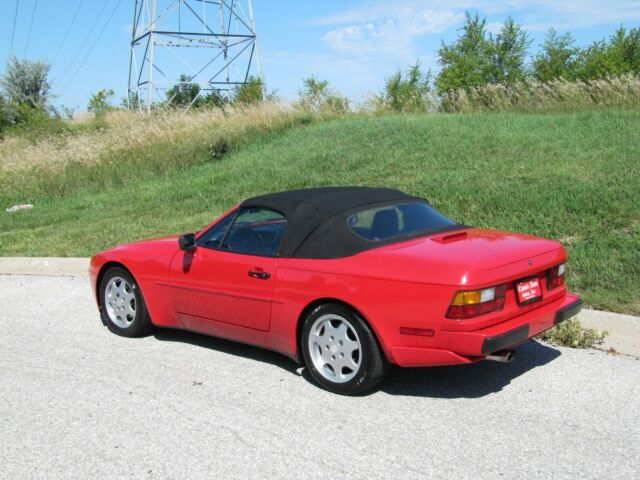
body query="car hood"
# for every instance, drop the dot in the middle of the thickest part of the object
(170, 238)
(160, 242)
(146, 248)
(143, 258)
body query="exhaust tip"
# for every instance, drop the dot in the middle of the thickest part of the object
(503, 356)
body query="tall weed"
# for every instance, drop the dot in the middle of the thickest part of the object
(535, 96)
(130, 145)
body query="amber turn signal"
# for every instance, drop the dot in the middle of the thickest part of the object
(471, 303)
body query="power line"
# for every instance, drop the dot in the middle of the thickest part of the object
(13, 32)
(84, 42)
(33, 15)
(75, 15)
(92, 46)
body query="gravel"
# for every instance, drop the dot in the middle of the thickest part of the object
(79, 402)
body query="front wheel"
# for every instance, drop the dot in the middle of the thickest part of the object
(122, 306)
(340, 351)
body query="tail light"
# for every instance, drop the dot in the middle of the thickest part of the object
(471, 303)
(555, 276)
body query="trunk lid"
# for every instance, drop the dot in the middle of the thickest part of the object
(472, 257)
(482, 249)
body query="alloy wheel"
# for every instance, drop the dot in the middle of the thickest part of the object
(120, 302)
(336, 351)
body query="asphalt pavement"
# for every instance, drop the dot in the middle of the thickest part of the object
(79, 402)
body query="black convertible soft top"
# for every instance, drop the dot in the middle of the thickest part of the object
(317, 218)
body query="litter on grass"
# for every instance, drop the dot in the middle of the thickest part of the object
(15, 208)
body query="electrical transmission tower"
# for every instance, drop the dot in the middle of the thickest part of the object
(211, 43)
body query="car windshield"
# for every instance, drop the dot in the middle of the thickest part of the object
(389, 221)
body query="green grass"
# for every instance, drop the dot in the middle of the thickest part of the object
(567, 176)
(58, 165)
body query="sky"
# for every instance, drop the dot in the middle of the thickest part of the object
(354, 45)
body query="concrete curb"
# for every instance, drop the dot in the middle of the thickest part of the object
(624, 330)
(47, 266)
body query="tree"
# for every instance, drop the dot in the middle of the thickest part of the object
(25, 82)
(408, 93)
(317, 96)
(559, 58)
(184, 93)
(249, 92)
(212, 99)
(466, 62)
(627, 47)
(509, 51)
(131, 101)
(6, 115)
(313, 93)
(100, 102)
(618, 56)
(476, 59)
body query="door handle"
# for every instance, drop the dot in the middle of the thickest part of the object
(259, 275)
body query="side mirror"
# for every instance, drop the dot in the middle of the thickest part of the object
(187, 242)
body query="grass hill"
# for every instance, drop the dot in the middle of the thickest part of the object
(573, 177)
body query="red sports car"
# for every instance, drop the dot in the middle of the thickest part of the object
(345, 280)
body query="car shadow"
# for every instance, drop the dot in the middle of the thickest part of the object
(467, 381)
(228, 346)
(459, 381)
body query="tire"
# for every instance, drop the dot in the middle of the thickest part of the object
(122, 306)
(340, 350)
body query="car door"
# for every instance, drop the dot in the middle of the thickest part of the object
(229, 277)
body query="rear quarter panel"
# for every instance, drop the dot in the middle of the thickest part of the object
(385, 304)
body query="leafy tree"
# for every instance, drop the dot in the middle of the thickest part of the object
(250, 92)
(187, 93)
(316, 95)
(313, 93)
(627, 48)
(509, 51)
(477, 59)
(336, 103)
(66, 113)
(100, 102)
(559, 58)
(6, 115)
(595, 61)
(184, 93)
(26, 82)
(130, 101)
(408, 93)
(618, 56)
(212, 99)
(466, 62)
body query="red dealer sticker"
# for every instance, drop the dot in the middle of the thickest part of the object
(529, 290)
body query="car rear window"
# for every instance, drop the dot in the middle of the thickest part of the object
(389, 221)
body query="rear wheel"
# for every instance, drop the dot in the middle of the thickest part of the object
(122, 306)
(340, 351)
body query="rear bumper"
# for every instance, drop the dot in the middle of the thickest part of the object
(506, 340)
(569, 311)
(468, 347)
